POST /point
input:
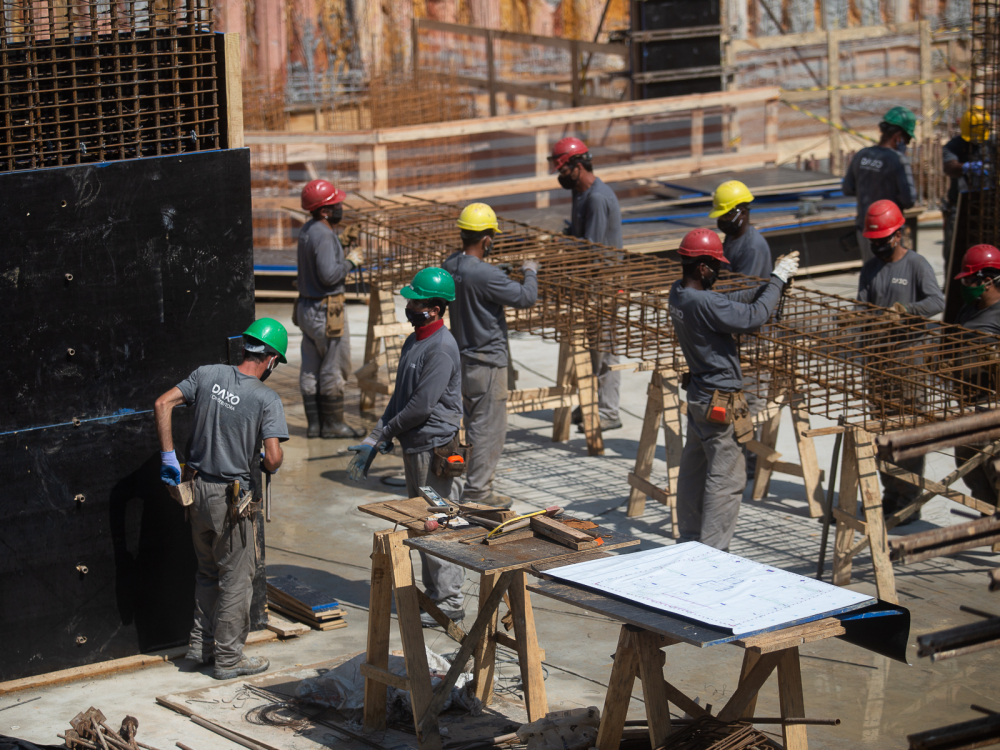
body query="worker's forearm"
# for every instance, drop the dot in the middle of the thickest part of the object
(272, 461)
(953, 169)
(164, 425)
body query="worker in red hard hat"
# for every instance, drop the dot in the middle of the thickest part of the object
(319, 312)
(713, 468)
(904, 281)
(980, 289)
(597, 217)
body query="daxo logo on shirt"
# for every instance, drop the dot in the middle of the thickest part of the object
(901, 282)
(224, 397)
(868, 162)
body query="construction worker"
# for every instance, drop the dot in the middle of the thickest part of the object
(234, 413)
(319, 312)
(424, 414)
(480, 327)
(713, 474)
(883, 172)
(746, 248)
(980, 289)
(899, 279)
(962, 158)
(597, 217)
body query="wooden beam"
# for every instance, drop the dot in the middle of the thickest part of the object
(385, 677)
(234, 91)
(621, 50)
(816, 38)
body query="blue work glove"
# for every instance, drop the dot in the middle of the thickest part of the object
(974, 167)
(356, 469)
(170, 469)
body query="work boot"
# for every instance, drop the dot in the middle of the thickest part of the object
(331, 412)
(455, 615)
(606, 424)
(199, 655)
(312, 414)
(496, 501)
(248, 665)
(578, 415)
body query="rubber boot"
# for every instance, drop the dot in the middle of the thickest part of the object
(312, 415)
(331, 412)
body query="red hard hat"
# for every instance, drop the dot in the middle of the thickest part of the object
(319, 193)
(700, 242)
(564, 150)
(883, 218)
(977, 258)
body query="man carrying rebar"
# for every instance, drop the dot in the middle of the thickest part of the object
(424, 414)
(712, 469)
(903, 281)
(319, 312)
(480, 328)
(597, 217)
(883, 172)
(980, 288)
(234, 414)
(962, 158)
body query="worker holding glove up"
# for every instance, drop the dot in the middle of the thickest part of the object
(424, 414)
(713, 468)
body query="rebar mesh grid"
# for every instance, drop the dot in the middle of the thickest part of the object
(984, 215)
(89, 81)
(842, 358)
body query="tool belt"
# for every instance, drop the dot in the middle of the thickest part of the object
(449, 460)
(732, 408)
(184, 492)
(335, 316)
(241, 506)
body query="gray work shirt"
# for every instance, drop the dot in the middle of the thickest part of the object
(909, 280)
(322, 267)
(231, 411)
(477, 317)
(425, 409)
(705, 323)
(597, 216)
(987, 321)
(878, 173)
(749, 254)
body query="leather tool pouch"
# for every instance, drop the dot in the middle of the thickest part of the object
(335, 316)
(184, 492)
(732, 408)
(445, 462)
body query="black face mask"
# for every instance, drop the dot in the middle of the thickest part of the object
(270, 368)
(730, 226)
(708, 283)
(417, 318)
(487, 247)
(335, 214)
(882, 251)
(567, 182)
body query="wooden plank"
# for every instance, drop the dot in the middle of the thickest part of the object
(846, 504)
(543, 404)
(814, 38)
(871, 499)
(530, 394)
(936, 487)
(565, 535)
(505, 640)
(750, 659)
(833, 100)
(392, 329)
(647, 489)
(616, 701)
(809, 463)
(822, 431)
(769, 438)
(562, 417)
(484, 653)
(749, 686)
(586, 385)
(379, 626)
(621, 50)
(234, 91)
(450, 626)
(293, 590)
(528, 656)
(285, 628)
(791, 700)
(384, 677)
(673, 407)
(850, 519)
(647, 451)
(654, 687)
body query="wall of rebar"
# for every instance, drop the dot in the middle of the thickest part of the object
(984, 218)
(869, 365)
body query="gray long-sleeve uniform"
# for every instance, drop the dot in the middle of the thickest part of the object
(878, 173)
(911, 282)
(424, 413)
(597, 217)
(480, 326)
(326, 362)
(713, 467)
(749, 254)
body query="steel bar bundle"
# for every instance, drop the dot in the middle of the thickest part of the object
(969, 430)
(874, 367)
(86, 81)
(913, 548)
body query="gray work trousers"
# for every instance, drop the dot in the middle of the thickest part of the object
(897, 494)
(866, 247)
(442, 579)
(484, 403)
(711, 482)
(981, 481)
(224, 581)
(609, 383)
(326, 363)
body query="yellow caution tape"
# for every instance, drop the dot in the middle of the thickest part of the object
(848, 86)
(826, 121)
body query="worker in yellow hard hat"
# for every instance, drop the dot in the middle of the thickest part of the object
(962, 157)
(479, 325)
(745, 247)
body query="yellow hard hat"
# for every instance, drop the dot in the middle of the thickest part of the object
(975, 124)
(478, 217)
(728, 196)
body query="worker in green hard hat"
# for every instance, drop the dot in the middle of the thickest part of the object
(232, 411)
(883, 172)
(424, 414)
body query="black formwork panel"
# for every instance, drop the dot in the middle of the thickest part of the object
(118, 280)
(676, 47)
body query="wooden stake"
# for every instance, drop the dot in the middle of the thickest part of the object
(484, 654)
(791, 700)
(527, 648)
(616, 701)
(379, 624)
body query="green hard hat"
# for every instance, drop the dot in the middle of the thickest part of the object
(430, 283)
(902, 118)
(271, 333)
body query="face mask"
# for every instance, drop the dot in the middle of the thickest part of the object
(567, 182)
(731, 226)
(883, 252)
(417, 318)
(971, 294)
(901, 146)
(335, 214)
(270, 368)
(487, 247)
(710, 281)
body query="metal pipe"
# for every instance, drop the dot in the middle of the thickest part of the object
(924, 433)
(968, 438)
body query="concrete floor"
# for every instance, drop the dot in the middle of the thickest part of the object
(319, 536)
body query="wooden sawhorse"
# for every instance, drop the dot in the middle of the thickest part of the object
(503, 575)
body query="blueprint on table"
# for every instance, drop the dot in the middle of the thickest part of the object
(712, 587)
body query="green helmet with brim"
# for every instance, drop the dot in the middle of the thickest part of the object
(902, 118)
(430, 283)
(271, 334)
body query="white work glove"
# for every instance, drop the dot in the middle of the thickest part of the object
(787, 266)
(355, 257)
(529, 265)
